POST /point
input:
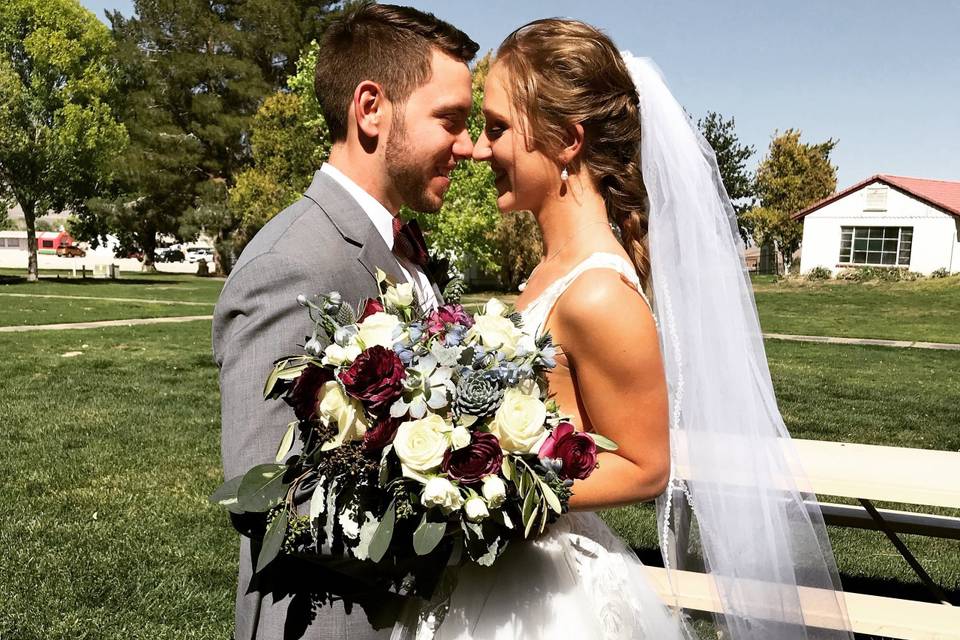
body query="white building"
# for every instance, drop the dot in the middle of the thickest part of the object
(884, 221)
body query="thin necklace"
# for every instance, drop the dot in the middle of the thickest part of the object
(523, 285)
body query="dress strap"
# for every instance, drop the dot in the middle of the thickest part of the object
(536, 314)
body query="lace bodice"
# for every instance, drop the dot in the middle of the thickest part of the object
(536, 313)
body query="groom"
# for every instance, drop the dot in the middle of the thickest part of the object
(394, 88)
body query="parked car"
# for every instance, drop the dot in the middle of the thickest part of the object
(195, 254)
(170, 255)
(70, 251)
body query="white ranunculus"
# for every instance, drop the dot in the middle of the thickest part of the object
(378, 329)
(347, 413)
(519, 422)
(494, 491)
(475, 509)
(420, 445)
(400, 295)
(496, 332)
(440, 492)
(494, 308)
(459, 438)
(337, 355)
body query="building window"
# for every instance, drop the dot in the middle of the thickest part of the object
(13, 242)
(876, 246)
(47, 244)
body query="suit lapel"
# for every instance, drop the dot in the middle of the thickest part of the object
(354, 225)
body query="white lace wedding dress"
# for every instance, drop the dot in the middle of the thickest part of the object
(578, 580)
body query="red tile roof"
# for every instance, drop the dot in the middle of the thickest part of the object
(942, 194)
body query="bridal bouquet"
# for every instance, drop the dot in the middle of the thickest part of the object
(425, 439)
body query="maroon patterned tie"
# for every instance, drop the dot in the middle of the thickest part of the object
(408, 242)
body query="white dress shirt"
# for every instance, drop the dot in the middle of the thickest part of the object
(383, 221)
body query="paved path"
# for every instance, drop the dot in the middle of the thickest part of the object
(144, 300)
(865, 341)
(102, 323)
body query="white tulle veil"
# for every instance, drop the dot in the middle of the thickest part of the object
(759, 532)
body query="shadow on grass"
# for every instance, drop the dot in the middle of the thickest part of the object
(16, 280)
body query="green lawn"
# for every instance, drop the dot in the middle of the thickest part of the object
(110, 454)
(109, 457)
(926, 310)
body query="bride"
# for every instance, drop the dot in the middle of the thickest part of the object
(643, 287)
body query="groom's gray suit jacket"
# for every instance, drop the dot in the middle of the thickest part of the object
(323, 242)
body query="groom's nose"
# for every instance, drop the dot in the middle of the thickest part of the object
(481, 150)
(463, 145)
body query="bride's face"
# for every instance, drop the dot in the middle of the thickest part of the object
(524, 176)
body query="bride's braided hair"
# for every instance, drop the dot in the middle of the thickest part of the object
(565, 72)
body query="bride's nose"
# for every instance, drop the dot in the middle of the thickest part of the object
(481, 150)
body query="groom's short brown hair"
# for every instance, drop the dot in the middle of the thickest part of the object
(387, 44)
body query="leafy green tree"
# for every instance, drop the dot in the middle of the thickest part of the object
(57, 128)
(290, 141)
(792, 176)
(155, 177)
(732, 158)
(466, 227)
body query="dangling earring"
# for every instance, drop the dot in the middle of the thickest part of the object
(564, 175)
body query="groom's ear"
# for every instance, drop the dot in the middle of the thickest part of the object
(574, 144)
(369, 109)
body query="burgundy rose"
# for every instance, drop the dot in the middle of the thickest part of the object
(577, 451)
(371, 307)
(446, 315)
(304, 394)
(380, 434)
(375, 378)
(470, 464)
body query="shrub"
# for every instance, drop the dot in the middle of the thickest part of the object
(942, 272)
(819, 273)
(881, 274)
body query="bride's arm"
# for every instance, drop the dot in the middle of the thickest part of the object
(609, 336)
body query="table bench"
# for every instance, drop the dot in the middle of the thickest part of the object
(865, 473)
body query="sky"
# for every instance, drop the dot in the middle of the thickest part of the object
(880, 76)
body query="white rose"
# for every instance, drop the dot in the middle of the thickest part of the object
(337, 407)
(497, 332)
(399, 296)
(377, 329)
(494, 308)
(518, 422)
(494, 491)
(476, 509)
(337, 355)
(459, 438)
(420, 445)
(440, 492)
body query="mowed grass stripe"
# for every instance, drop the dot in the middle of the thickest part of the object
(138, 300)
(111, 455)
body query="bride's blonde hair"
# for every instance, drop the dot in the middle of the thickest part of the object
(565, 72)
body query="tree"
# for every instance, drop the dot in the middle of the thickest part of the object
(155, 177)
(57, 128)
(792, 176)
(466, 225)
(732, 160)
(290, 141)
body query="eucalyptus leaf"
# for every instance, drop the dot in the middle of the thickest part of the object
(428, 536)
(528, 504)
(227, 492)
(381, 539)
(262, 488)
(287, 442)
(552, 500)
(509, 471)
(530, 522)
(272, 540)
(603, 442)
